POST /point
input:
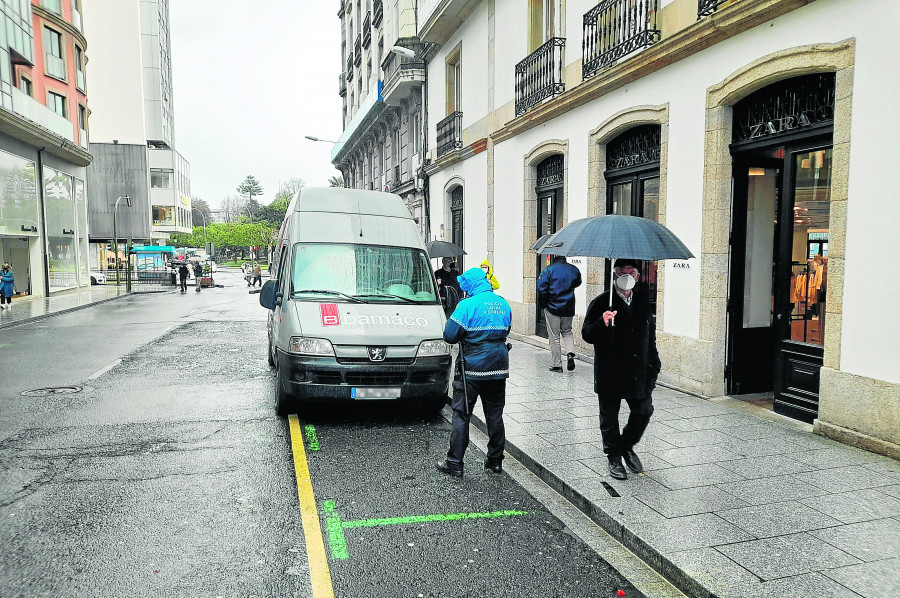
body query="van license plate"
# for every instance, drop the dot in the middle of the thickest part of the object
(375, 393)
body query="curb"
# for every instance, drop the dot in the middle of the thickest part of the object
(678, 577)
(62, 311)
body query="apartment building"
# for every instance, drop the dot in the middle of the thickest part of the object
(382, 144)
(133, 130)
(43, 145)
(729, 121)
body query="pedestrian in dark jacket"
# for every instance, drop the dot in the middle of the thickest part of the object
(198, 275)
(626, 364)
(447, 277)
(183, 276)
(480, 324)
(556, 292)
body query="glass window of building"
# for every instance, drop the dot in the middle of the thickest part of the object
(25, 86)
(160, 179)
(52, 5)
(61, 229)
(79, 68)
(54, 61)
(57, 103)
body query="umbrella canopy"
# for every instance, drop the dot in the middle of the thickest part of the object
(538, 246)
(443, 249)
(615, 236)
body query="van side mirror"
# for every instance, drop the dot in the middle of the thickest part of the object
(268, 296)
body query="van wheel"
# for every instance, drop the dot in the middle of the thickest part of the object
(284, 401)
(271, 355)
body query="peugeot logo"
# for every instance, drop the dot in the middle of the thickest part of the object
(377, 353)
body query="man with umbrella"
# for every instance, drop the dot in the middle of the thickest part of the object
(447, 277)
(626, 364)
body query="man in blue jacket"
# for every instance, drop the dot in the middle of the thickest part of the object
(480, 324)
(556, 292)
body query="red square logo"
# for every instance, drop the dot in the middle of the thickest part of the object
(330, 315)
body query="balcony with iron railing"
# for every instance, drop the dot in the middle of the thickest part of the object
(342, 84)
(367, 30)
(55, 66)
(616, 28)
(707, 7)
(377, 13)
(357, 50)
(540, 75)
(27, 107)
(402, 74)
(449, 134)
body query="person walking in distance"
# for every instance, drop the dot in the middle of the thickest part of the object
(489, 272)
(448, 284)
(198, 274)
(626, 364)
(556, 292)
(7, 282)
(183, 276)
(480, 324)
(257, 275)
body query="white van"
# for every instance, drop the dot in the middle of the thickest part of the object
(355, 313)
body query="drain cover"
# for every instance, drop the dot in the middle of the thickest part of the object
(56, 390)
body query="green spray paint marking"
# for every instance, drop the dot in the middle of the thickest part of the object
(312, 438)
(335, 527)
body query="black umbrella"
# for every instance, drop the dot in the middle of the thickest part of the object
(443, 249)
(539, 245)
(615, 236)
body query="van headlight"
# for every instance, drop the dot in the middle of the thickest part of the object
(310, 346)
(433, 348)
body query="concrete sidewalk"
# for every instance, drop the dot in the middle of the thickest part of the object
(28, 309)
(732, 504)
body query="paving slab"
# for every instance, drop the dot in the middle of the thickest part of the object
(811, 585)
(867, 541)
(692, 476)
(784, 556)
(777, 519)
(690, 501)
(775, 489)
(856, 506)
(871, 580)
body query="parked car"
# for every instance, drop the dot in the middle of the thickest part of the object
(98, 277)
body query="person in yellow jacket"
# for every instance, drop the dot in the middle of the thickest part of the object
(489, 272)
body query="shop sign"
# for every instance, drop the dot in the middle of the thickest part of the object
(784, 107)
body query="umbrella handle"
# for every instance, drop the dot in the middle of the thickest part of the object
(612, 272)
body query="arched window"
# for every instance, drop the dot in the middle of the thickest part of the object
(632, 186)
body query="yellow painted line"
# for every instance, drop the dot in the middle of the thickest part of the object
(315, 543)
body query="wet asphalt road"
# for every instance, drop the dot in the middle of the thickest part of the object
(170, 475)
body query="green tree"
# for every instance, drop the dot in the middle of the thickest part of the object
(200, 206)
(250, 187)
(335, 181)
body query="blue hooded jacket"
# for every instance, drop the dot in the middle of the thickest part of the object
(481, 324)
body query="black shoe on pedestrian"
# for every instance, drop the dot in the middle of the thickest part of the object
(556, 369)
(632, 461)
(570, 361)
(445, 467)
(615, 468)
(493, 466)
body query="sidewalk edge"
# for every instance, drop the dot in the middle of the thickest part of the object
(62, 311)
(678, 577)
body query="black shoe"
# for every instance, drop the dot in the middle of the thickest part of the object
(632, 461)
(493, 466)
(570, 363)
(615, 468)
(556, 369)
(445, 467)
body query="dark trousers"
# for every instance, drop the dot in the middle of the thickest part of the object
(184, 283)
(614, 443)
(257, 279)
(5, 299)
(493, 399)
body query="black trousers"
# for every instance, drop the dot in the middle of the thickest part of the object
(184, 283)
(493, 399)
(615, 443)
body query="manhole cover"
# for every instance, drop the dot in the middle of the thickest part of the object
(56, 390)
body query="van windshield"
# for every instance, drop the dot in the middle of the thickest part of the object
(370, 273)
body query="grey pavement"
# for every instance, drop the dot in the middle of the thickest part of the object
(732, 504)
(27, 309)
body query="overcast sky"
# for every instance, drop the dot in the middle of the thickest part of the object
(250, 80)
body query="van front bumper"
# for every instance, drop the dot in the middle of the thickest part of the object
(325, 379)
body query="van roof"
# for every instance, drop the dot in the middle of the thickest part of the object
(351, 201)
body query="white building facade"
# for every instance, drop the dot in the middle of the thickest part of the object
(133, 127)
(753, 129)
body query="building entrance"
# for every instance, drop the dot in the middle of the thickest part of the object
(779, 243)
(550, 217)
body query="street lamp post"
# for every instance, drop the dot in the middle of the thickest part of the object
(205, 243)
(127, 199)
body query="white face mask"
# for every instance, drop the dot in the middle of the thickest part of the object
(626, 282)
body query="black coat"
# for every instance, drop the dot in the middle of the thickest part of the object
(626, 362)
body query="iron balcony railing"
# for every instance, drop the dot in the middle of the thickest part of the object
(377, 13)
(540, 75)
(707, 7)
(357, 50)
(394, 65)
(367, 30)
(342, 84)
(616, 28)
(449, 134)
